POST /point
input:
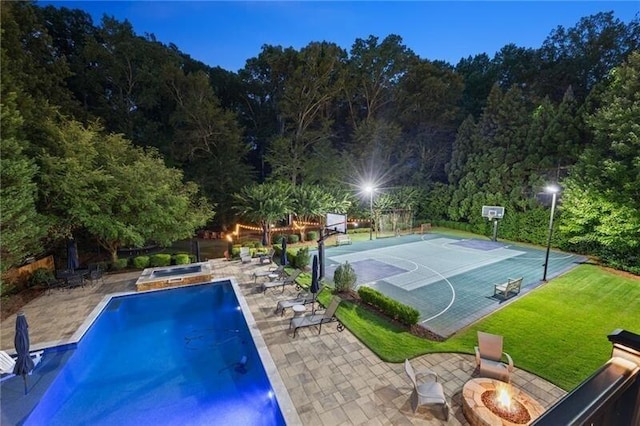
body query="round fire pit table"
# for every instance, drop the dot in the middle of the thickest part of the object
(478, 413)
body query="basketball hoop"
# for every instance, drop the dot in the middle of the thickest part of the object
(493, 213)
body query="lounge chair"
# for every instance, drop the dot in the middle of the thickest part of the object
(7, 363)
(245, 254)
(291, 279)
(278, 272)
(427, 389)
(303, 298)
(266, 257)
(489, 357)
(317, 319)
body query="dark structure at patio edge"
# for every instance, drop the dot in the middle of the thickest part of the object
(611, 396)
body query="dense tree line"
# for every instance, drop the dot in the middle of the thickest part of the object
(483, 131)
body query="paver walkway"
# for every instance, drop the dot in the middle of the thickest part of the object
(333, 379)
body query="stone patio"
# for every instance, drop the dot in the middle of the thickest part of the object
(332, 378)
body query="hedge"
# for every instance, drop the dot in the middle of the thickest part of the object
(160, 259)
(182, 259)
(312, 235)
(120, 264)
(392, 308)
(140, 262)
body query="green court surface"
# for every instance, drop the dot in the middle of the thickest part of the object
(449, 281)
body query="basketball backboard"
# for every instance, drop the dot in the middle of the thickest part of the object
(336, 222)
(493, 212)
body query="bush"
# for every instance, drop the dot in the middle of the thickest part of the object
(344, 277)
(277, 239)
(160, 259)
(140, 262)
(358, 231)
(182, 259)
(40, 277)
(312, 235)
(257, 244)
(301, 259)
(120, 264)
(392, 308)
(293, 238)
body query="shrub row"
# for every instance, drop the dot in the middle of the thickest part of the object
(357, 230)
(293, 238)
(235, 251)
(298, 258)
(392, 308)
(153, 261)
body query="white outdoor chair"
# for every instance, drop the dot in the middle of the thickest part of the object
(489, 357)
(245, 254)
(426, 389)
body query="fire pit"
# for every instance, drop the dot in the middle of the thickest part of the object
(492, 402)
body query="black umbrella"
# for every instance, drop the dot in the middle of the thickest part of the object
(283, 255)
(24, 363)
(315, 285)
(72, 255)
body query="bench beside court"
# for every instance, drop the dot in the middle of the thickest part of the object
(508, 289)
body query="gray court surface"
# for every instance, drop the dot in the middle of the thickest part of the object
(449, 281)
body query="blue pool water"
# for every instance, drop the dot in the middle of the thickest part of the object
(182, 356)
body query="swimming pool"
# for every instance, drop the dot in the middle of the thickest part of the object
(181, 356)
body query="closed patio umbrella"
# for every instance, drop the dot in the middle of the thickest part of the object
(315, 285)
(24, 363)
(72, 255)
(283, 255)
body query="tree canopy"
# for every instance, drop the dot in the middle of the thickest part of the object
(488, 130)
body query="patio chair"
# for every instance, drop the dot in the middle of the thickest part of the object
(317, 319)
(245, 254)
(95, 274)
(427, 389)
(489, 357)
(291, 279)
(266, 257)
(76, 280)
(303, 298)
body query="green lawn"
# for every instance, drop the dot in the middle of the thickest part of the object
(558, 331)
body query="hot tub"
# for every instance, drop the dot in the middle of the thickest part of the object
(173, 276)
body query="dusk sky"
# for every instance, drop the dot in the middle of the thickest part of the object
(226, 34)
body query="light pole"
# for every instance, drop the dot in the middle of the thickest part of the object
(554, 191)
(370, 189)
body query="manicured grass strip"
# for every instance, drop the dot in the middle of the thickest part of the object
(557, 332)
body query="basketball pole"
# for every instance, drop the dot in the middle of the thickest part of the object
(321, 254)
(495, 230)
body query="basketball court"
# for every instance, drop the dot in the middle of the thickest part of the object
(449, 281)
